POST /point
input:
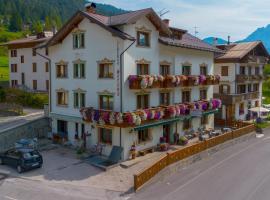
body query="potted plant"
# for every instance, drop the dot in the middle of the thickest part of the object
(133, 151)
(183, 140)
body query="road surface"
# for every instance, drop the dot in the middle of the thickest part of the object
(240, 172)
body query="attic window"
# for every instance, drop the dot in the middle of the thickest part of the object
(143, 39)
(78, 40)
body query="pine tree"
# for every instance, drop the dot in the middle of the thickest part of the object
(37, 27)
(48, 24)
(15, 23)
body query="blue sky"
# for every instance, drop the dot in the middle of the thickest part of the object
(219, 18)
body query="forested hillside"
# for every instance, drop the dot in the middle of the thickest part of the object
(18, 15)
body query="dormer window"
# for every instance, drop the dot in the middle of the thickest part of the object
(143, 39)
(78, 40)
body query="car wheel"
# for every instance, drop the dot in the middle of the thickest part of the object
(1, 161)
(19, 169)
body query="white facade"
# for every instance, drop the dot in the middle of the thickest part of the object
(24, 74)
(101, 45)
(249, 98)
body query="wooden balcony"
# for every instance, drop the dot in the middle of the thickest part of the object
(243, 78)
(170, 81)
(229, 99)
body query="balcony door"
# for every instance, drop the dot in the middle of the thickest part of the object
(23, 79)
(230, 112)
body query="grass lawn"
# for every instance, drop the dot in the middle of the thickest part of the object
(4, 70)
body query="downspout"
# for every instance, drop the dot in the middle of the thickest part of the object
(121, 85)
(50, 96)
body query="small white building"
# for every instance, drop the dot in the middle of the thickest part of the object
(28, 70)
(241, 71)
(109, 66)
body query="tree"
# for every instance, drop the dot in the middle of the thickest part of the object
(37, 27)
(48, 24)
(15, 23)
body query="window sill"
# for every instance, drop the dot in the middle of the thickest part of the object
(106, 78)
(141, 46)
(61, 77)
(63, 106)
(78, 78)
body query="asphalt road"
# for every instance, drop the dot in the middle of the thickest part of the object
(6, 123)
(240, 172)
(23, 189)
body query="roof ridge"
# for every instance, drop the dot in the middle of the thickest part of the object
(131, 12)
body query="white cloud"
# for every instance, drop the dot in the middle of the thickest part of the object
(237, 18)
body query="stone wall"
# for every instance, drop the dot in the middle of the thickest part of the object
(38, 128)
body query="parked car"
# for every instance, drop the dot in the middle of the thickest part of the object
(22, 159)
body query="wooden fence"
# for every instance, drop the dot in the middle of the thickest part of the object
(141, 178)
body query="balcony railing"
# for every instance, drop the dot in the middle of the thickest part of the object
(241, 78)
(146, 116)
(170, 81)
(230, 99)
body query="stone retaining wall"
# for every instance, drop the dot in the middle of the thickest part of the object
(38, 128)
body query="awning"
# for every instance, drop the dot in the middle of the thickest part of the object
(210, 112)
(162, 122)
(259, 109)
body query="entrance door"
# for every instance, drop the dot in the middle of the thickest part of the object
(166, 132)
(23, 79)
(62, 128)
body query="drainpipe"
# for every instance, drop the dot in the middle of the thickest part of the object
(49, 60)
(121, 85)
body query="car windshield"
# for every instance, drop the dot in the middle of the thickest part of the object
(31, 154)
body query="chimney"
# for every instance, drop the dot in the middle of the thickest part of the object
(229, 38)
(166, 21)
(90, 7)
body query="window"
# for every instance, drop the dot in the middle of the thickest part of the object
(224, 70)
(62, 98)
(79, 70)
(47, 85)
(62, 71)
(164, 70)
(82, 129)
(255, 87)
(34, 53)
(186, 70)
(241, 89)
(22, 59)
(14, 83)
(203, 94)
(165, 98)
(105, 70)
(79, 99)
(144, 136)
(249, 88)
(46, 66)
(224, 89)
(106, 102)
(186, 124)
(203, 70)
(249, 70)
(34, 66)
(105, 136)
(14, 68)
(13, 53)
(78, 40)
(143, 39)
(241, 108)
(204, 120)
(46, 51)
(185, 96)
(76, 130)
(142, 101)
(142, 69)
(257, 70)
(34, 84)
(62, 126)
(242, 70)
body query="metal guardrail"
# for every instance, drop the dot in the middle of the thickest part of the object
(141, 178)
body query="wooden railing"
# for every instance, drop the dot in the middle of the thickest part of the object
(171, 157)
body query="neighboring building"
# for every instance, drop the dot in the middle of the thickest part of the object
(103, 65)
(27, 69)
(241, 71)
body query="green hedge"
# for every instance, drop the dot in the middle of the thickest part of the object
(27, 99)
